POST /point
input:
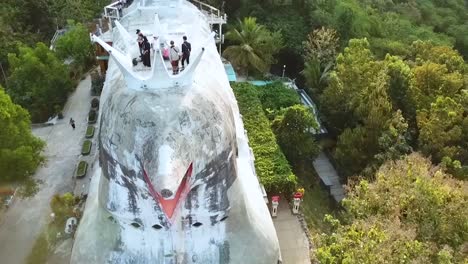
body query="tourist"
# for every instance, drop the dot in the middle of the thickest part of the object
(146, 53)
(186, 49)
(72, 123)
(174, 57)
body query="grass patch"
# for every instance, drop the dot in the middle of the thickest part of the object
(86, 147)
(316, 201)
(82, 168)
(40, 250)
(47, 241)
(90, 132)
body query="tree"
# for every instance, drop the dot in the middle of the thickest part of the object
(412, 213)
(443, 129)
(75, 45)
(293, 132)
(394, 141)
(19, 149)
(432, 80)
(254, 46)
(321, 49)
(322, 44)
(39, 81)
(357, 90)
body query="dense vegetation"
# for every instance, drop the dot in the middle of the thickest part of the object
(288, 125)
(35, 77)
(390, 79)
(19, 149)
(272, 168)
(38, 81)
(422, 218)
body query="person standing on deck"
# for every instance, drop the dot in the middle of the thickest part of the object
(186, 49)
(174, 57)
(146, 53)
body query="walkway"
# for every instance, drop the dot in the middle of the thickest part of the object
(25, 219)
(329, 177)
(293, 241)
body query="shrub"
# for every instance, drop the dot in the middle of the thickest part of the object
(81, 170)
(62, 207)
(90, 132)
(271, 165)
(95, 103)
(97, 83)
(276, 95)
(92, 116)
(86, 147)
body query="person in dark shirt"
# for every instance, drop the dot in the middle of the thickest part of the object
(186, 49)
(146, 46)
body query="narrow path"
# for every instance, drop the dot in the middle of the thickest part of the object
(293, 241)
(25, 219)
(329, 176)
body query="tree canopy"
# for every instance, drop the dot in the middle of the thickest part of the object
(253, 46)
(411, 213)
(39, 81)
(20, 151)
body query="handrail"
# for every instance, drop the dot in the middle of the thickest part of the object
(112, 8)
(211, 9)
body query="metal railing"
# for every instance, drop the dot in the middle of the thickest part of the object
(206, 7)
(112, 11)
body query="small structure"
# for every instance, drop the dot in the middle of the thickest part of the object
(274, 206)
(297, 202)
(70, 225)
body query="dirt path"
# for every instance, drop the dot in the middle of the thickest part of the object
(25, 219)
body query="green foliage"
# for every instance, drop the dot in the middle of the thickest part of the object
(254, 46)
(92, 117)
(75, 45)
(443, 130)
(272, 167)
(293, 133)
(89, 132)
(82, 168)
(95, 103)
(20, 151)
(97, 83)
(86, 149)
(38, 81)
(62, 207)
(411, 213)
(293, 27)
(275, 96)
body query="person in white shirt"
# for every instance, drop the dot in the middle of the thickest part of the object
(174, 56)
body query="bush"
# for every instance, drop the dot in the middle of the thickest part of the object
(97, 83)
(95, 103)
(92, 117)
(62, 207)
(86, 147)
(271, 165)
(276, 95)
(81, 170)
(90, 132)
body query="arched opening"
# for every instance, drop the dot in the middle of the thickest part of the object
(157, 227)
(197, 224)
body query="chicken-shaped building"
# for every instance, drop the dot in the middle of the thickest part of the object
(175, 181)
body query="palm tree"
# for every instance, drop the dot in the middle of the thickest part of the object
(255, 46)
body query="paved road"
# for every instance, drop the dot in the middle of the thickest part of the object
(25, 219)
(293, 241)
